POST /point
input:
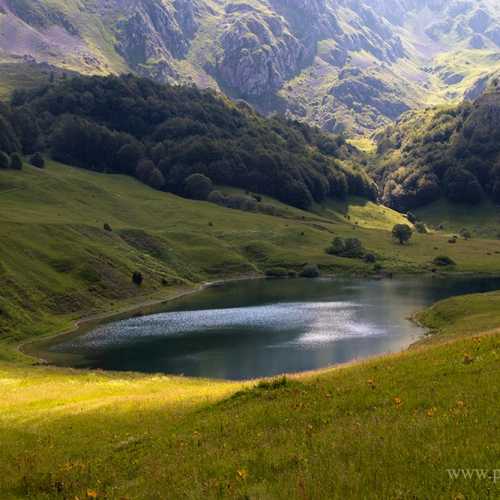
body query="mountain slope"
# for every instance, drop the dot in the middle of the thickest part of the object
(449, 151)
(338, 64)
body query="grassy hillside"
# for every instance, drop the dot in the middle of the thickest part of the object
(387, 428)
(481, 220)
(58, 263)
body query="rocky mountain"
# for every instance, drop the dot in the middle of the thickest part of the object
(339, 64)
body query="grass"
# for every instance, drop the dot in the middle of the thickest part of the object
(387, 428)
(390, 427)
(58, 264)
(462, 316)
(481, 220)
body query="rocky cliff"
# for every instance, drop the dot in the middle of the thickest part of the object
(341, 64)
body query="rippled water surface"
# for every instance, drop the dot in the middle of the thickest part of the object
(258, 328)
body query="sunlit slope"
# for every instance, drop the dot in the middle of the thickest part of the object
(387, 428)
(58, 263)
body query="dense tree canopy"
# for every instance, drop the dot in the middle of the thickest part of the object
(452, 151)
(165, 134)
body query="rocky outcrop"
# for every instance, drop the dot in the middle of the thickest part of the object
(154, 33)
(259, 52)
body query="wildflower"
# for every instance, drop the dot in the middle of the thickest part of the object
(242, 473)
(398, 401)
(371, 383)
(468, 359)
(430, 412)
(460, 404)
(91, 494)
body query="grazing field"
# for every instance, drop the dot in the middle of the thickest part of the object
(391, 427)
(58, 263)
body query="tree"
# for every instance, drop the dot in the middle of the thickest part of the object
(137, 278)
(216, 197)
(144, 170)
(310, 271)
(16, 162)
(402, 233)
(462, 186)
(4, 160)
(198, 186)
(37, 160)
(156, 179)
(128, 157)
(353, 248)
(337, 247)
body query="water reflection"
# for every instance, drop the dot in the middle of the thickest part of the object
(261, 328)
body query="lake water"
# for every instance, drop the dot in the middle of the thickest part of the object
(250, 329)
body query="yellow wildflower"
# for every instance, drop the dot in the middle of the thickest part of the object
(242, 473)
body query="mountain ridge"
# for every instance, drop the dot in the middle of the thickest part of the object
(347, 65)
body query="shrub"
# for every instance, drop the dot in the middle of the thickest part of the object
(198, 186)
(4, 160)
(337, 247)
(465, 234)
(421, 228)
(277, 272)
(402, 233)
(16, 163)
(443, 260)
(370, 258)
(310, 271)
(37, 160)
(137, 278)
(216, 197)
(353, 248)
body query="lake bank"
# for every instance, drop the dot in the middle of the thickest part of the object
(252, 329)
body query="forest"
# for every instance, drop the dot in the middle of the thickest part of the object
(180, 139)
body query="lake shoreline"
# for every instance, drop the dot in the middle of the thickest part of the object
(28, 347)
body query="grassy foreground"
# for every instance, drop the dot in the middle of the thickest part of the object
(58, 263)
(391, 427)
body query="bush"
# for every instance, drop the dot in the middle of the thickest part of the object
(4, 160)
(402, 233)
(443, 260)
(310, 271)
(16, 163)
(421, 228)
(137, 278)
(216, 197)
(198, 186)
(370, 258)
(37, 160)
(337, 247)
(465, 234)
(277, 272)
(351, 248)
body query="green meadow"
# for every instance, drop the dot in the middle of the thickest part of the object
(389, 427)
(59, 264)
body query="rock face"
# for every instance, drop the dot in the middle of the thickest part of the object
(259, 52)
(341, 64)
(155, 33)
